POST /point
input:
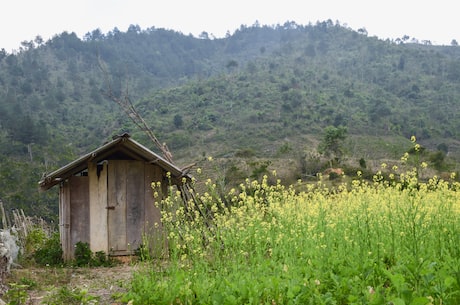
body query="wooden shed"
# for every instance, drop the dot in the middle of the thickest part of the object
(106, 198)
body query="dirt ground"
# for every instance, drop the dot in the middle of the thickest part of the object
(105, 283)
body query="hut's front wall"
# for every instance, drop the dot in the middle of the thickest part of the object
(74, 203)
(111, 208)
(126, 206)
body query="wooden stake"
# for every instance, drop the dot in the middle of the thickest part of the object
(4, 221)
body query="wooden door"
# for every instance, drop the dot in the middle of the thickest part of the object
(79, 209)
(125, 205)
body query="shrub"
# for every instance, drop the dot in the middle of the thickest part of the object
(333, 176)
(50, 252)
(362, 163)
(82, 254)
(85, 257)
(437, 160)
(245, 153)
(33, 241)
(101, 259)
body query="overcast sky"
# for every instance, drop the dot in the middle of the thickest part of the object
(20, 20)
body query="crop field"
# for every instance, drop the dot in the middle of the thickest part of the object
(390, 241)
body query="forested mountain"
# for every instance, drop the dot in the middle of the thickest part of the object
(263, 91)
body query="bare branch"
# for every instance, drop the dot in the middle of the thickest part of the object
(127, 106)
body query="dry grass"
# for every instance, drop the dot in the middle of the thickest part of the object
(103, 282)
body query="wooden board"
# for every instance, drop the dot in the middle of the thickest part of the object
(98, 207)
(64, 218)
(79, 209)
(134, 203)
(116, 205)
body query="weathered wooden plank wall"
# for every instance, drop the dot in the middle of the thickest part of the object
(98, 207)
(135, 212)
(64, 216)
(116, 193)
(79, 209)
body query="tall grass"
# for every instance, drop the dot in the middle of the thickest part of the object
(391, 241)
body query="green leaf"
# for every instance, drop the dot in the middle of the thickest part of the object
(397, 301)
(420, 301)
(449, 281)
(231, 299)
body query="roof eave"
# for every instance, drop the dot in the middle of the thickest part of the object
(81, 163)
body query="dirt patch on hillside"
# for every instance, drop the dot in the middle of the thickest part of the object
(106, 283)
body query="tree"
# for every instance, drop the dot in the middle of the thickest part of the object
(27, 45)
(443, 147)
(39, 40)
(178, 121)
(332, 142)
(2, 54)
(204, 35)
(136, 29)
(363, 31)
(437, 160)
(94, 35)
(232, 64)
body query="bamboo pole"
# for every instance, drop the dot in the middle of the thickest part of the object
(4, 221)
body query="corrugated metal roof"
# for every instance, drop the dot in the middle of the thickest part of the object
(121, 143)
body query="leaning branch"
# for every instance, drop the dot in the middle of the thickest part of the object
(127, 106)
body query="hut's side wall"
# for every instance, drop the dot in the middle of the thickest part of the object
(98, 207)
(64, 219)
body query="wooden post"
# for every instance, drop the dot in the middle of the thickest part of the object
(4, 221)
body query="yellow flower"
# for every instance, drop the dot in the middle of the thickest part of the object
(424, 165)
(413, 139)
(405, 157)
(285, 268)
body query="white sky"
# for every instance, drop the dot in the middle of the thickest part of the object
(437, 21)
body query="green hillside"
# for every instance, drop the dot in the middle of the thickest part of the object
(255, 100)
